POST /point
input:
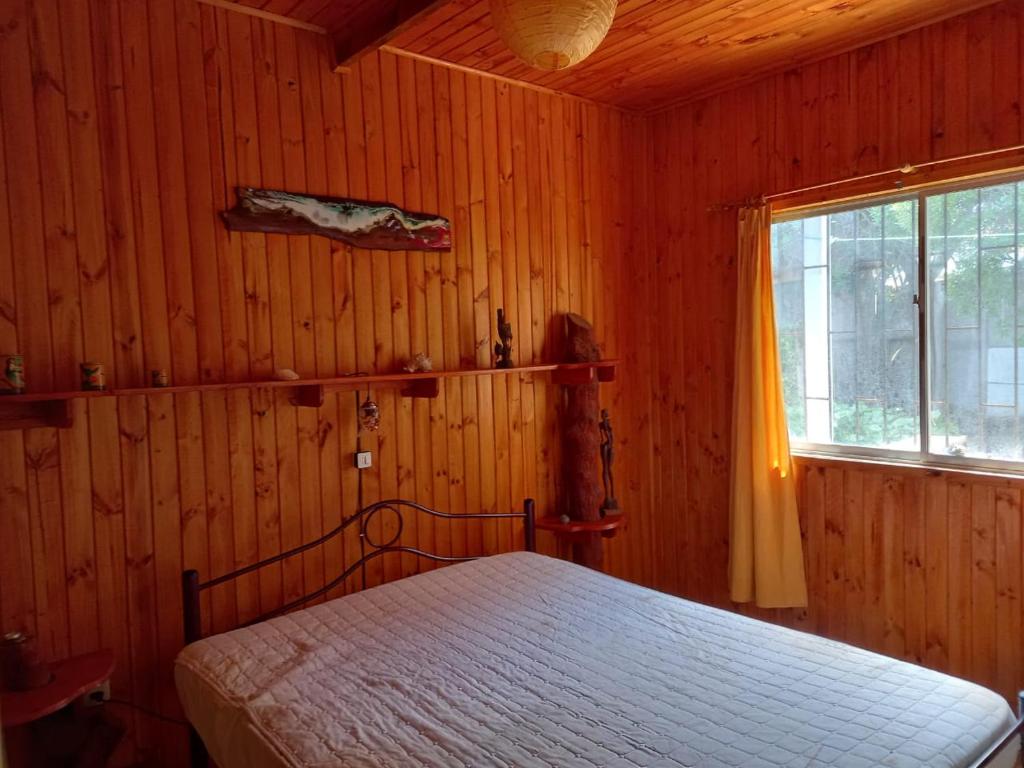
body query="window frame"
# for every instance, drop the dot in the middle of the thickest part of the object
(921, 457)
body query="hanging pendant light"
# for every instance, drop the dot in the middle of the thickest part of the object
(369, 415)
(552, 34)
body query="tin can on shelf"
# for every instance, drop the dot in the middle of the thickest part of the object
(94, 377)
(12, 381)
(21, 669)
(159, 378)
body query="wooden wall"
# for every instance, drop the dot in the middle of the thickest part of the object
(124, 127)
(921, 566)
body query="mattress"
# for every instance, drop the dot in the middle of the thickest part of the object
(524, 660)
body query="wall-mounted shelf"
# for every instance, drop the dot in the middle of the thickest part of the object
(53, 409)
(574, 529)
(40, 409)
(71, 678)
(584, 373)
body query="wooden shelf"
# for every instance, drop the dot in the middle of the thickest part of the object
(25, 414)
(71, 678)
(607, 526)
(37, 397)
(52, 409)
(584, 373)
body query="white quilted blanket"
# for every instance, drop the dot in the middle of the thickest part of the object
(523, 660)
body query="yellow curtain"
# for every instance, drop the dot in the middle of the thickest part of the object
(766, 561)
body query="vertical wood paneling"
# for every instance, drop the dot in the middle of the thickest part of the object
(124, 128)
(113, 169)
(936, 575)
(914, 581)
(920, 565)
(940, 560)
(854, 567)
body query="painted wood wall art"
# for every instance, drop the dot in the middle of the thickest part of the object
(359, 223)
(581, 439)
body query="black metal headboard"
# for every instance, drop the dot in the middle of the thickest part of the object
(368, 550)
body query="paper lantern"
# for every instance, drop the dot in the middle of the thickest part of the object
(552, 34)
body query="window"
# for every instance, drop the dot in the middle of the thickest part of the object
(864, 305)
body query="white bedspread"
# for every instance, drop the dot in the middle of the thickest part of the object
(523, 660)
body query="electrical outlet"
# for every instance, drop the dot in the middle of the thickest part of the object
(364, 460)
(97, 695)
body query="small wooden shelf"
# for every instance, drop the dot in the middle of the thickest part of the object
(607, 526)
(584, 373)
(71, 678)
(39, 397)
(52, 409)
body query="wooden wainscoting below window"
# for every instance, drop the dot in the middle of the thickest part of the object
(921, 564)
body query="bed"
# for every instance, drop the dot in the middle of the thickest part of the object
(524, 660)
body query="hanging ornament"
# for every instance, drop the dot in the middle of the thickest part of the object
(369, 415)
(552, 34)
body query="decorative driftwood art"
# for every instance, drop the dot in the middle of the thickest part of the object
(359, 223)
(581, 438)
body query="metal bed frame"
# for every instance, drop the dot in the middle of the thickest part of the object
(1010, 745)
(192, 587)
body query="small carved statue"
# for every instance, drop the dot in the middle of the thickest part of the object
(503, 348)
(419, 363)
(610, 503)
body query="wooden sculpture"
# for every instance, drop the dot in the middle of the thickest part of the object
(610, 506)
(581, 439)
(503, 348)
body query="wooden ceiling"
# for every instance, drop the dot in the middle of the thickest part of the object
(657, 52)
(354, 26)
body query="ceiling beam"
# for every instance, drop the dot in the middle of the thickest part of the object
(230, 5)
(351, 44)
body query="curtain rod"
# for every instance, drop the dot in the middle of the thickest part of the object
(906, 169)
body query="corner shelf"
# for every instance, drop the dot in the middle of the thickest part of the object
(584, 373)
(53, 409)
(71, 678)
(577, 529)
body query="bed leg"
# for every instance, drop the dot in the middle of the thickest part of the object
(1020, 716)
(198, 758)
(190, 606)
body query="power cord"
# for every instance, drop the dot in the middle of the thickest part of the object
(146, 711)
(175, 721)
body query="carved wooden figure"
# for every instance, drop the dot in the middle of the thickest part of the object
(503, 348)
(610, 504)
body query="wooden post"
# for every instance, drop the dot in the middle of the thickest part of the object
(581, 439)
(190, 606)
(198, 757)
(530, 525)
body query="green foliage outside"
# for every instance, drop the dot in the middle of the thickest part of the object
(973, 253)
(973, 283)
